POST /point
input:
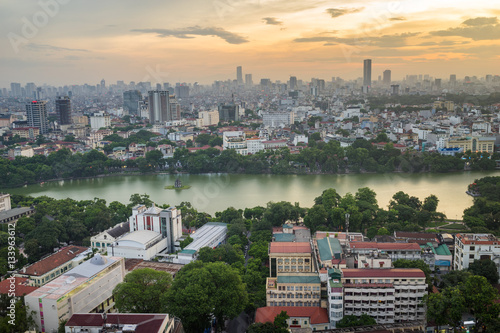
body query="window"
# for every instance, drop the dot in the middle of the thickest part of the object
(471, 256)
(472, 248)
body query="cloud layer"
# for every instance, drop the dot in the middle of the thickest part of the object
(190, 32)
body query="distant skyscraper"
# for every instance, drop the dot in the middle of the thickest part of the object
(293, 83)
(248, 80)
(30, 90)
(182, 91)
(131, 100)
(159, 106)
(239, 75)
(453, 78)
(437, 82)
(387, 76)
(63, 110)
(367, 74)
(103, 84)
(15, 89)
(36, 112)
(229, 112)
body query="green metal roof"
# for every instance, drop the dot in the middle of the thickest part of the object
(287, 226)
(428, 246)
(282, 237)
(299, 279)
(335, 284)
(443, 250)
(188, 251)
(329, 248)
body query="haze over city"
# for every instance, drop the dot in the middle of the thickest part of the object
(61, 42)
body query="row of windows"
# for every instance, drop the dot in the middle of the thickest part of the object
(299, 303)
(335, 297)
(336, 306)
(293, 296)
(293, 261)
(298, 288)
(293, 268)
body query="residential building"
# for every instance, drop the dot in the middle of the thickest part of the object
(229, 112)
(120, 322)
(17, 286)
(473, 144)
(100, 120)
(131, 100)
(167, 222)
(104, 239)
(387, 77)
(47, 269)
(5, 202)
(313, 318)
(239, 75)
(208, 118)
(25, 151)
(277, 119)
(294, 289)
(420, 238)
(235, 140)
(289, 257)
(63, 110)
(211, 234)
(387, 295)
(159, 106)
(26, 132)
(367, 75)
(248, 80)
(410, 251)
(470, 247)
(335, 294)
(86, 288)
(37, 114)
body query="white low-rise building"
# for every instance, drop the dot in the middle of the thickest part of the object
(104, 239)
(143, 244)
(211, 235)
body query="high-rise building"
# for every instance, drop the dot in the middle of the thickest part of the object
(15, 89)
(36, 112)
(63, 110)
(159, 106)
(453, 78)
(437, 82)
(182, 91)
(248, 80)
(387, 77)
(30, 90)
(367, 72)
(229, 112)
(239, 75)
(293, 83)
(131, 100)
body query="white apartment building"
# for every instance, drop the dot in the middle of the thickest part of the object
(387, 295)
(254, 145)
(84, 289)
(277, 119)
(100, 120)
(470, 247)
(235, 140)
(335, 294)
(167, 222)
(104, 239)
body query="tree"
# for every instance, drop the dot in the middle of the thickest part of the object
(280, 321)
(202, 290)
(186, 242)
(481, 300)
(142, 291)
(486, 268)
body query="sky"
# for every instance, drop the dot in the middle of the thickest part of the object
(62, 42)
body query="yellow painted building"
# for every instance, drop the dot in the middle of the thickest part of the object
(474, 144)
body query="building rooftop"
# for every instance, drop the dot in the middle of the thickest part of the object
(477, 238)
(290, 247)
(376, 272)
(74, 278)
(303, 278)
(7, 214)
(384, 246)
(282, 237)
(139, 236)
(146, 323)
(316, 315)
(119, 229)
(329, 248)
(55, 260)
(443, 250)
(22, 286)
(206, 234)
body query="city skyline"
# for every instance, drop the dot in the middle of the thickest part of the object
(54, 42)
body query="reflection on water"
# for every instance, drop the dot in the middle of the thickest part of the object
(216, 192)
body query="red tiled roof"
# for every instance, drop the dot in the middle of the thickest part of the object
(384, 246)
(378, 272)
(290, 247)
(55, 260)
(417, 235)
(21, 287)
(316, 315)
(146, 323)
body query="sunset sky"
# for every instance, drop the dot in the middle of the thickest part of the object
(80, 41)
